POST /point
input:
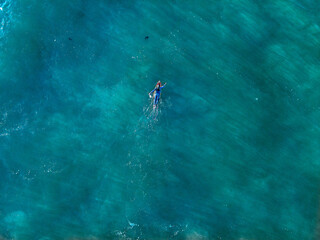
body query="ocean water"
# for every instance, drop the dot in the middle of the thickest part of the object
(232, 152)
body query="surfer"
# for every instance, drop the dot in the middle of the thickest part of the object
(157, 92)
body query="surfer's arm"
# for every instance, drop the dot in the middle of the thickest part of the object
(163, 86)
(152, 91)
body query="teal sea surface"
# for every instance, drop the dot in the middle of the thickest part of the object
(231, 153)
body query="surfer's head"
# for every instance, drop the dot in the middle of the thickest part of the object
(158, 84)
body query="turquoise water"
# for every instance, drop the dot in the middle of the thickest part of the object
(232, 153)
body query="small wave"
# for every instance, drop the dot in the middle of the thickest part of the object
(5, 16)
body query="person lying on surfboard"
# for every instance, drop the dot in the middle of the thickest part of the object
(157, 92)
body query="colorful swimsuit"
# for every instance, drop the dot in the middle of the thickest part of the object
(157, 95)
